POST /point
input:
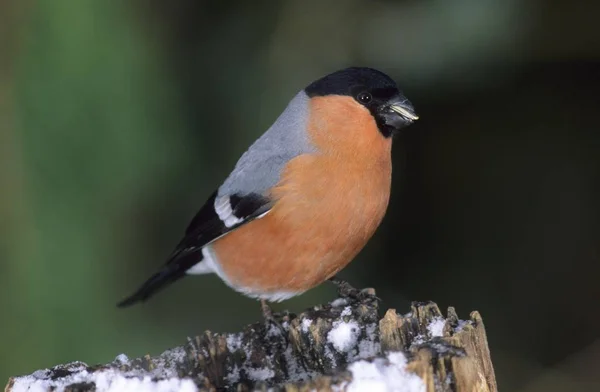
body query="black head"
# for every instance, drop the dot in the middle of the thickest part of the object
(374, 90)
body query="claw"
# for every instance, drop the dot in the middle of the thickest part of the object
(346, 290)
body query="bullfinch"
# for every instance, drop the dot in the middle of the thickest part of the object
(304, 199)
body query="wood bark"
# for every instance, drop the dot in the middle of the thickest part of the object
(318, 349)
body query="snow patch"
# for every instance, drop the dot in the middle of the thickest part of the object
(419, 339)
(306, 323)
(122, 359)
(234, 342)
(106, 381)
(369, 346)
(233, 375)
(273, 331)
(261, 374)
(383, 375)
(162, 378)
(344, 335)
(336, 303)
(436, 327)
(165, 364)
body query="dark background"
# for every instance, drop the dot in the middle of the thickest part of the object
(117, 120)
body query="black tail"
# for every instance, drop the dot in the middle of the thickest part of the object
(171, 272)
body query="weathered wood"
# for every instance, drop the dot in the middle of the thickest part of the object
(332, 346)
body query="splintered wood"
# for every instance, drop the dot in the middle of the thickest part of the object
(343, 345)
(448, 354)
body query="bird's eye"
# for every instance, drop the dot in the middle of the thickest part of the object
(364, 98)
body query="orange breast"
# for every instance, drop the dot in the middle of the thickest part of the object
(328, 206)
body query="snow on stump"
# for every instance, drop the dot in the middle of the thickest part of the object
(340, 346)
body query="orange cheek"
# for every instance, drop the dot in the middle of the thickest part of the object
(341, 126)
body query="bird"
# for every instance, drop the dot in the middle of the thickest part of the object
(305, 197)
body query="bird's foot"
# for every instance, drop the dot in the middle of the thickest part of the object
(273, 326)
(346, 290)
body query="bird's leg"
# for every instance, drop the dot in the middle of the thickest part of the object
(271, 320)
(266, 311)
(346, 290)
(268, 315)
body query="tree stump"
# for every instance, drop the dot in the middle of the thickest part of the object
(343, 345)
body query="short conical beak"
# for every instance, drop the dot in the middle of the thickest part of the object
(404, 109)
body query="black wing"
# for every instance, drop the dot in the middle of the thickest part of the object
(204, 228)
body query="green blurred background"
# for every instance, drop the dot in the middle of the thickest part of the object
(118, 118)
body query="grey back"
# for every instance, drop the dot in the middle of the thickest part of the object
(260, 167)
